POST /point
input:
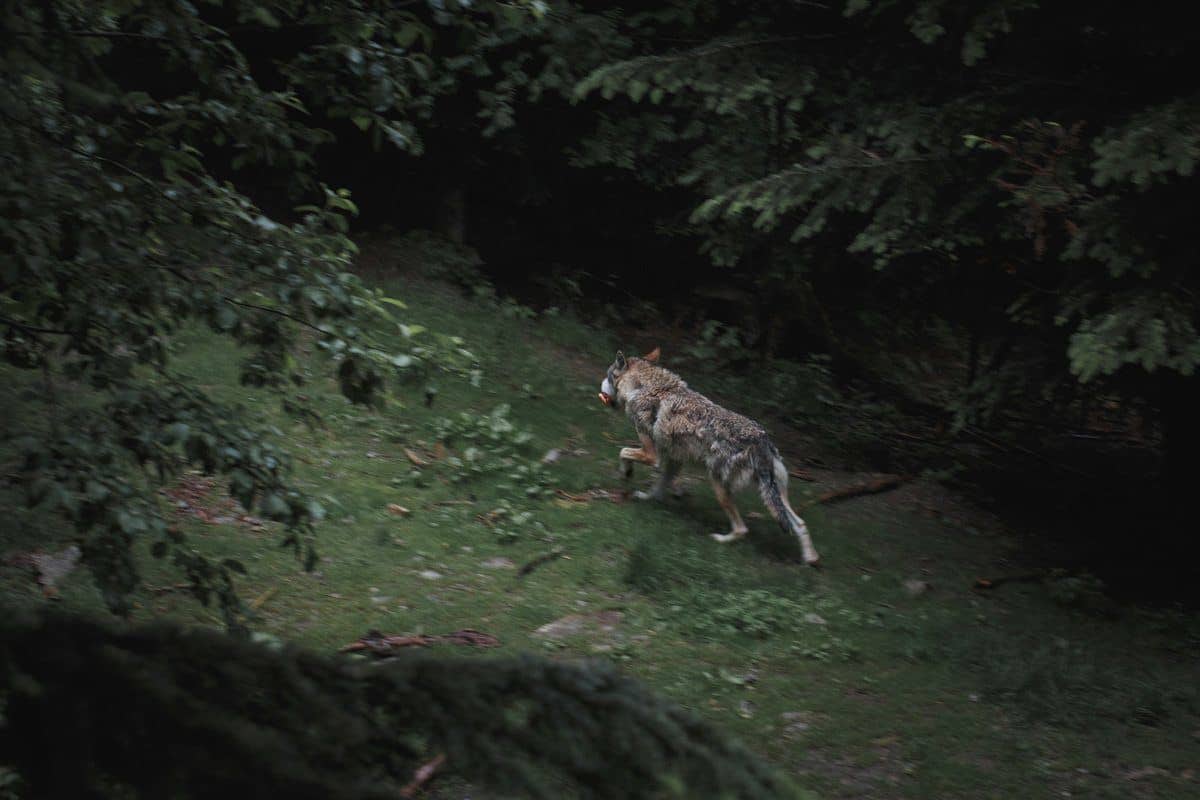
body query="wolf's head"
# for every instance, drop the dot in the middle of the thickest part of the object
(610, 387)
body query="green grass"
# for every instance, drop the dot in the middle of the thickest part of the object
(841, 678)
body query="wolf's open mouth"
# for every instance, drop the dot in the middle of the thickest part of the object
(604, 398)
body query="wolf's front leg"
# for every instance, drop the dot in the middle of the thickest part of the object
(644, 454)
(627, 458)
(668, 469)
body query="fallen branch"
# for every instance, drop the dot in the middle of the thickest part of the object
(170, 588)
(544, 558)
(381, 645)
(412, 456)
(588, 496)
(992, 583)
(876, 486)
(258, 602)
(423, 775)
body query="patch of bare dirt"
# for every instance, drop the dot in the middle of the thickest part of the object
(599, 626)
(48, 568)
(881, 777)
(198, 496)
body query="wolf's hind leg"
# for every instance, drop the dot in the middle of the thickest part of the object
(774, 486)
(806, 546)
(737, 526)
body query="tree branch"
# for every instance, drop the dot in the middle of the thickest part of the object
(33, 328)
(277, 312)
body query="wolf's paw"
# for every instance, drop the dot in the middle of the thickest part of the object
(813, 561)
(724, 538)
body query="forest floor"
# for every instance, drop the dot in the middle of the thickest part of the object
(889, 673)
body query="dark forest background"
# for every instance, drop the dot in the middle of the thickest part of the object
(974, 210)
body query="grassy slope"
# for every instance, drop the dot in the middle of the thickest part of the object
(949, 693)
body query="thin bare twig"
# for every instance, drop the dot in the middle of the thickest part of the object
(277, 312)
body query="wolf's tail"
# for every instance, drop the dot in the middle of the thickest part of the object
(772, 486)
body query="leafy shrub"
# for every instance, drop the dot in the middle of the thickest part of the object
(1081, 590)
(754, 612)
(717, 341)
(491, 446)
(508, 523)
(444, 260)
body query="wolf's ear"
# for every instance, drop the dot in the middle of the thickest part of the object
(620, 360)
(653, 355)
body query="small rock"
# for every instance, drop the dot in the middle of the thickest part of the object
(398, 510)
(223, 520)
(603, 622)
(500, 562)
(797, 722)
(915, 588)
(52, 568)
(813, 618)
(430, 575)
(746, 709)
(380, 599)
(552, 456)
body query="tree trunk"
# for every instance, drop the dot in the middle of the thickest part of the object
(1181, 440)
(452, 213)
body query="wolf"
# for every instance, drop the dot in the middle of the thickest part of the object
(677, 424)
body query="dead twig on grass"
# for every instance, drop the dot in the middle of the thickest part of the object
(375, 642)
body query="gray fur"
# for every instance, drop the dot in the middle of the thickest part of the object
(677, 423)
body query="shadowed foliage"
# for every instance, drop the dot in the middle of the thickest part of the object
(92, 710)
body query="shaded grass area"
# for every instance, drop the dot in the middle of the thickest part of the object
(851, 682)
